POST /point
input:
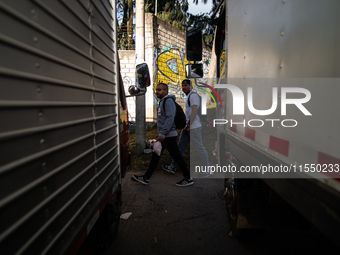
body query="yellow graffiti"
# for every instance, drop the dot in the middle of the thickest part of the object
(170, 67)
(222, 64)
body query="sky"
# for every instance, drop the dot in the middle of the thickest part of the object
(200, 8)
(194, 9)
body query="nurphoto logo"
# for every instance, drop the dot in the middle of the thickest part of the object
(239, 103)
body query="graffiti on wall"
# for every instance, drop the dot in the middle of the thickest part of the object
(170, 66)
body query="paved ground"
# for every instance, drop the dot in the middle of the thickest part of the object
(167, 219)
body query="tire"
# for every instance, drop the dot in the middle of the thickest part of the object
(233, 198)
(106, 229)
(114, 212)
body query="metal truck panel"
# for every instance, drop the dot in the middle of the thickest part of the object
(59, 114)
(290, 39)
(287, 44)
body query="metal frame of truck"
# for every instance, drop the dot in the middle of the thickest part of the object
(59, 132)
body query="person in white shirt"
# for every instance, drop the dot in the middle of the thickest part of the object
(192, 130)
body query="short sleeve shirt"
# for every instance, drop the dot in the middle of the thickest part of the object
(194, 100)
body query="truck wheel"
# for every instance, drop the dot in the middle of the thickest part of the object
(233, 198)
(108, 222)
(114, 212)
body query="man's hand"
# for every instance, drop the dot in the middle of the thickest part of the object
(160, 139)
(187, 129)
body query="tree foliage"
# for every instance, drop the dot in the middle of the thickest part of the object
(174, 12)
(125, 10)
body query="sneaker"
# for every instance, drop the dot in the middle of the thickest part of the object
(204, 174)
(140, 179)
(185, 182)
(169, 169)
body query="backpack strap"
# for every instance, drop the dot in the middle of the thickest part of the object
(190, 96)
(164, 103)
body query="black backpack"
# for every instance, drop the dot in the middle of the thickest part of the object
(203, 118)
(180, 120)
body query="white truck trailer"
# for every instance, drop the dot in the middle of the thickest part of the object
(278, 69)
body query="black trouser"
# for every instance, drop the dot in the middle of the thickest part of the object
(169, 143)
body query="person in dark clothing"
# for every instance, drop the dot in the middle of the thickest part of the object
(192, 131)
(167, 135)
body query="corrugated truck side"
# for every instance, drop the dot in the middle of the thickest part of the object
(59, 134)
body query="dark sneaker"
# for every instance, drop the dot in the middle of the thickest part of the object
(204, 174)
(169, 169)
(140, 179)
(185, 182)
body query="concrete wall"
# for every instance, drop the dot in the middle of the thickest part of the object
(127, 69)
(165, 56)
(169, 57)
